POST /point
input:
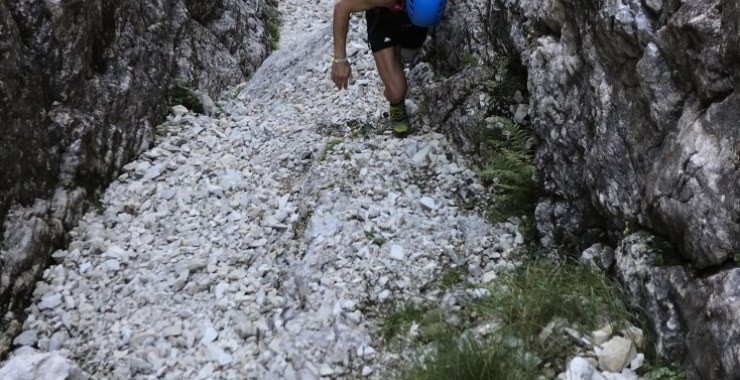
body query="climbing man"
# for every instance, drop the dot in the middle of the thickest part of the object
(396, 30)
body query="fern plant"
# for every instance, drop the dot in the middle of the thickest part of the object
(510, 169)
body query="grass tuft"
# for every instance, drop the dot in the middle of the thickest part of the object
(330, 146)
(273, 34)
(468, 359)
(97, 205)
(522, 303)
(539, 291)
(401, 319)
(451, 277)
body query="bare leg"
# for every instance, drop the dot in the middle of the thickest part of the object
(391, 73)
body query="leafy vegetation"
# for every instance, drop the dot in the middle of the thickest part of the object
(236, 90)
(183, 94)
(359, 129)
(96, 204)
(507, 78)
(470, 60)
(377, 240)
(273, 33)
(669, 372)
(509, 171)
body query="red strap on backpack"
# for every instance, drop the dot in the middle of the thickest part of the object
(399, 6)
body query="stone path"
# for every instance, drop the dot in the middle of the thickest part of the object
(267, 242)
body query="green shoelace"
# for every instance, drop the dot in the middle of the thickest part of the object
(397, 113)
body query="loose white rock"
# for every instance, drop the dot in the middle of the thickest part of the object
(616, 354)
(50, 301)
(428, 203)
(384, 295)
(521, 113)
(580, 369)
(179, 110)
(41, 367)
(173, 330)
(26, 338)
(209, 335)
(397, 252)
(635, 335)
(600, 337)
(111, 265)
(637, 362)
(326, 370)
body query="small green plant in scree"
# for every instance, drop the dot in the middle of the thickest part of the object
(330, 146)
(376, 239)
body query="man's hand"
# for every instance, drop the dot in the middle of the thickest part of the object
(341, 74)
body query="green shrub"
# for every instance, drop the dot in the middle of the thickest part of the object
(506, 79)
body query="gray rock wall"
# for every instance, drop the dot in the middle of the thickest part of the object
(476, 79)
(635, 107)
(82, 83)
(694, 314)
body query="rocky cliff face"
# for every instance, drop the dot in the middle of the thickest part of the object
(82, 83)
(635, 106)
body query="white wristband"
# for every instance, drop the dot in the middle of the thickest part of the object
(341, 60)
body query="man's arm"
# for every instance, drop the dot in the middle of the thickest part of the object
(343, 10)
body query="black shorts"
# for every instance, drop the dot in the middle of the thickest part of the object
(386, 29)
